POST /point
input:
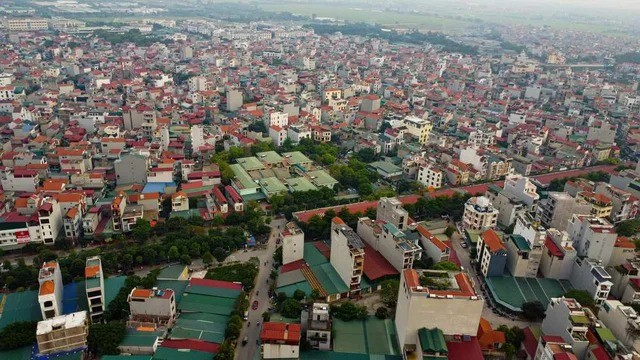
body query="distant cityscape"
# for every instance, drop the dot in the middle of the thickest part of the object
(230, 181)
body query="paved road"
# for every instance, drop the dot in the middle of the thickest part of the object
(250, 329)
(465, 261)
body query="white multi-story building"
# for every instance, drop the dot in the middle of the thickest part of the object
(390, 210)
(522, 188)
(479, 214)
(157, 306)
(590, 276)
(392, 243)
(557, 209)
(558, 256)
(430, 176)
(592, 237)
(292, 243)
(319, 327)
(62, 333)
(347, 255)
(566, 318)
(276, 118)
(94, 286)
(297, 132)
(480, 139)
(51, 288)
(452, 306)
(525, 247)
(623, 321)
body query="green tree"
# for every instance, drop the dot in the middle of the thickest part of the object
(299, 295)
(207, 258)
(266, 316)
(277, 256)
(225, 351)
(389, 292)
(445, 265)
(141, 230)
(582, 297)
(450, 231)
(315, 294)
(509, 351)
(382, 312)
(514, 335)
(174, 254)
(366, 155)
(234, 326)
(628, 228)
(291, 309)
(103, 339)
(18, 334)
(185, 259)
(348, 311)
(533, 310)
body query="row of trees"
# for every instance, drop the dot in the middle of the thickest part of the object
(558, 184)
(175, 240)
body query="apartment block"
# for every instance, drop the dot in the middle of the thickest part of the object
(390, 211)
(94, 285)
(601, 205)
(508, 205)
(525, 247)
(558, 255)
(319, 327)
(433, 247)
(567, 319)
(179, 201)
(347, 255)
(624, 204)
(27, 24)
(435, 299)
(392, 243)
(590, 276)
(491, 254)
(592, 237)
(62, 333)
(156, 306)
(557, 209)
(623, 321)
(292, 243)
(479, 214)
(419, 128)
(626, 282)
(553, 347)
(51, 288)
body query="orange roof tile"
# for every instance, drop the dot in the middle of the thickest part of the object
(142, 293)
(91, 271)
(47, 288)
(492, 241)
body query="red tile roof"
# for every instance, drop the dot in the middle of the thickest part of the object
(280, 332)
(375, 265)
(492, 240)
(530, 342)
(198, 345)
(215, 284)
(553, 248)
(464, 350)
(298, 264)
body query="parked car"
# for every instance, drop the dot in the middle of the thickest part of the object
(254, 306)
(245, 340)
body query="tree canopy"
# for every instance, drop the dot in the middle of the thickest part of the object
(17, 335)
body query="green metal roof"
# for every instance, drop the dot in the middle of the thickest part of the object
(243, 177)
(296, 157)
(172, 272)
(126, 357)
(137, 338)
(272, 185)
(520, 242)
(16, 354)
(313, 256)
(250, 163)
(164, 353)
(322, 178)
(386, 167)
(269, 157)
(432, 340)
(329, 279)
(300, 184)
(605, 334)
(178, 287)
